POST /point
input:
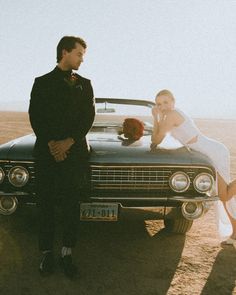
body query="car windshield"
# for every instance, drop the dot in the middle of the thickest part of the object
(111, 115)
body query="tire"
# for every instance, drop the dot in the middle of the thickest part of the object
(179, 225)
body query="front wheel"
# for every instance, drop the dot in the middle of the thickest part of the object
(179, 225)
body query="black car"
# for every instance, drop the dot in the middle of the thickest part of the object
(178, 182)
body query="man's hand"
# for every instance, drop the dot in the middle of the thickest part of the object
(60, 157)
(60, 148)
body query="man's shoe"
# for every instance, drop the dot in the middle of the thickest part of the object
(46, 266)
(70, 270)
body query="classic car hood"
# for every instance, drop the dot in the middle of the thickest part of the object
(18, 149)
(108, 148)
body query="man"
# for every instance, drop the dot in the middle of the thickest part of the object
(61, 113)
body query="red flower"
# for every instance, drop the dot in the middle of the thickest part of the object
(73, 81)
(73, 77)
(133, 128)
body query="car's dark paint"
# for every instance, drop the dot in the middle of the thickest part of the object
(20, 149)
(108, 150)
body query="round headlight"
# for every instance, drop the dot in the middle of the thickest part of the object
(8, 205)
(203, 182)
(2, 175)
(18, 176)
(192, 210)
(179, 182)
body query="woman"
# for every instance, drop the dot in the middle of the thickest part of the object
(169, 119)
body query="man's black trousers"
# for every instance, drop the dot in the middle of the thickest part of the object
(59, 184)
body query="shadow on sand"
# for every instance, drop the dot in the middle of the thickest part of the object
(222, 282)
(132, 256)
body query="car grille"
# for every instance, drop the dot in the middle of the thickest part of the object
(134, 178)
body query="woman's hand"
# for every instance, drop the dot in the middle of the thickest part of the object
(153, 146)
(155, 112)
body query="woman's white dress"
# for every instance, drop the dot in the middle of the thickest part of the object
(220, 157)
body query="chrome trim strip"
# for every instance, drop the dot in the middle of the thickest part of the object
(140, 102)
(3, 175)
(15, 194)
(121, 169)
(133, 187)
(151, 166)
(128, 176)
(18, 161)
(177, 198)
(124, 166)
(196, 199)
(23, 162)
(133, 199)
(123, 179)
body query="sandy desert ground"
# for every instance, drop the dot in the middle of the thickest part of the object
(134, 256)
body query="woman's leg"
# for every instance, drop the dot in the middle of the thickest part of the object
(232, 189)
(223, 194)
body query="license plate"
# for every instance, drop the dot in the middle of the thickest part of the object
(98, 212)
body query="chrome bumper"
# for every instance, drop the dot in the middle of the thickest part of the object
(165, 199)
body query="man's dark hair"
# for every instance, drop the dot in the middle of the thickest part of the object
(68, 43)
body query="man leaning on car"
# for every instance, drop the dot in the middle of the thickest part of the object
(61, 113)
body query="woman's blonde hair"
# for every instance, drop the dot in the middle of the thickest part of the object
(167, 93)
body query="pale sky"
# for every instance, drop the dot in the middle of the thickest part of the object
(135, 49)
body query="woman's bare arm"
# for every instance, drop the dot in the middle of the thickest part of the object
(162, 124)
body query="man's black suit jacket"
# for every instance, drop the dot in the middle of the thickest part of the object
(58, 111)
